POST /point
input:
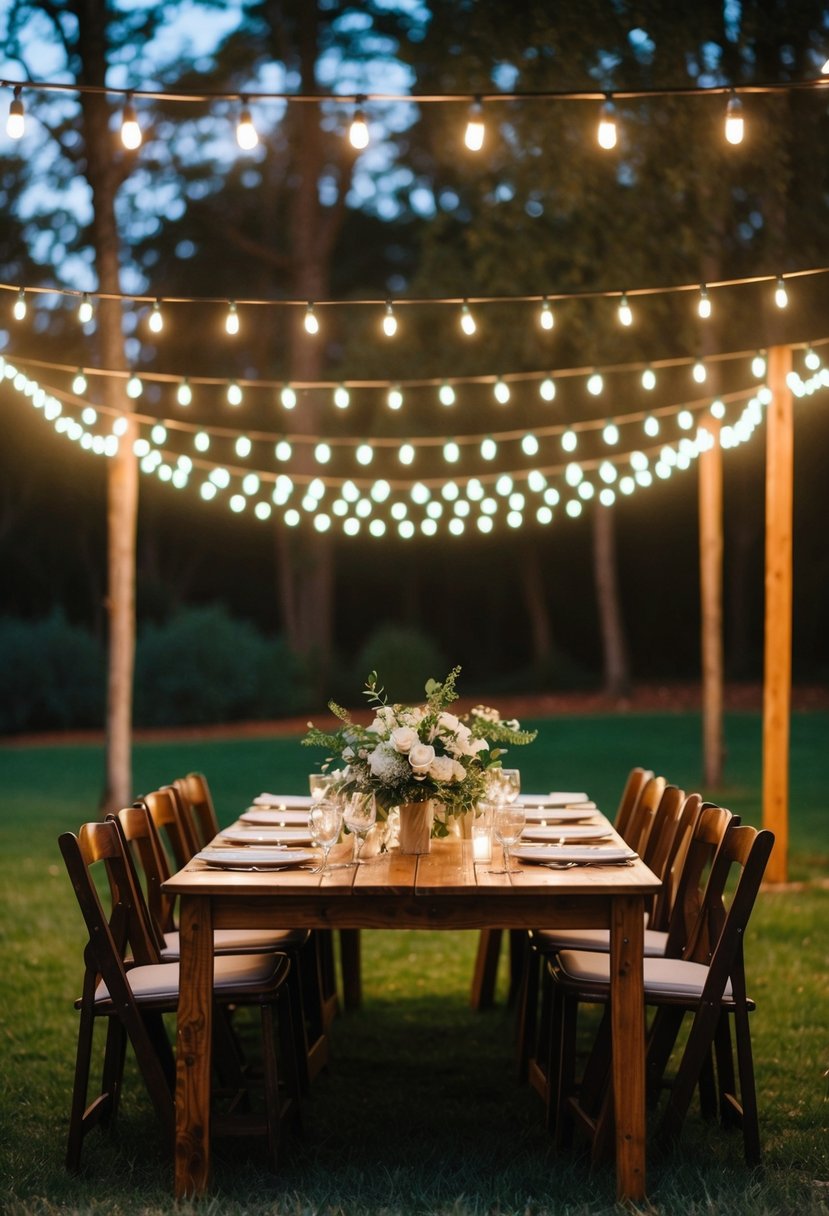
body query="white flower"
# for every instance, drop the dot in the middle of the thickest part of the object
(442, 768)
(458, 771)
(473, 746)
(448, 722)
(404, 738)
(386, 764)
(348, 753)
(420, 758)
(378, 727)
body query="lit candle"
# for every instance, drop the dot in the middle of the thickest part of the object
(481, 844)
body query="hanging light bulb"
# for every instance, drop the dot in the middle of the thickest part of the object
(15, 123)
(342, 397)
(130, 130)
(234, 394)
(648, 379)
(545, 317)
(489, 449)
(406, 454)
(595, 384)
(699, 372)
(446, 394)
(610, 434)
(135, 388)
(232, 319)
(394, 399)
(704, 303)
(184, 394)
(811, 359)
(156, 320)
(358, 131)
(758, 365)
(389, 321)
(651, 426)
(287, 397)
(569, 441)
(625, 312)
(451, 452)
(717, 409)
(606, 134)
(312, 325)
(364, 453)
(475, 129)
(79, 383)
(19, 310)
(734, 121)
(85, 309)
(781, 296)
(501, 391)
(467, 321)
(547, 389)
(246, 134)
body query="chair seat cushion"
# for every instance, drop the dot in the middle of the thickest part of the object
(550, 941)
(669, 977)
(241, 941)
(232, 973)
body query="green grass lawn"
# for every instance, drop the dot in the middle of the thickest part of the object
(420, 1111)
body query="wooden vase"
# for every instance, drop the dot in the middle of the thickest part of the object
(416, 826)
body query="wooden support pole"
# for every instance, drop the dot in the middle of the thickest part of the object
(710, 569)
(777, 669)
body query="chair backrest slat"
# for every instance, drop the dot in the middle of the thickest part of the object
(195, 793)
(710, 829)
(637, 779)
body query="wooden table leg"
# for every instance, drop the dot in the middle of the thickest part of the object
(193, 1047)
(350, 967)
(627, 1025)
(486, 969)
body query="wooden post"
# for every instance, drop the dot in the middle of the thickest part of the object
(710, 569)
(777, 670)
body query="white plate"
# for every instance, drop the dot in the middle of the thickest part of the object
(562, 814)
(254, 859)
(597, 854)
(279, 836)
(557, 798)
(263, 817)
(567, 832)
(283, 800)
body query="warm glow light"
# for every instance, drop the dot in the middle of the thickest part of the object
(451, 452)
(547, 389)
(79, 383)
(610, 434)
(389, 322)
(234, 394)
(467, 321)
(606, 134)
(288, 397)
(184, 395)
(758, 366)
(569, 441)
(312, 325)
(364, 453)
(156, 320)
(648, 379)
(811, 359)
(781, 296)
(246, 135)
(232, 319)
(489, 449)
(130, 130)
(501, 391)
(698, 372)
(16, 123)
(342, 397)
(406, 454)
(595, 384)
(625, 312)
(651, 426)
(446, 394)
(394, 398)
(704, 303)
(475, 129)
(358, 131)
(19, 310)
(734, 122)
(85, 310)
(545, 317)
(134, 387)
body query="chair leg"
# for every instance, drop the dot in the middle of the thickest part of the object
(527, 1047)
(707, 1089)
(661, 1038)
(113, 1071)
(83, 1060)
(748, 1092)
(726, 1082)
(316, 1020)
(697, 1048)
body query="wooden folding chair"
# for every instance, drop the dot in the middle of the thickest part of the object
(126, 983)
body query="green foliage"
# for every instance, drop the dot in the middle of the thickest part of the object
(202, 665)
(405, 655)
(51, 675)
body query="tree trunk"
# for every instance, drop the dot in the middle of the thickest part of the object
(122, 488)
(614, 643)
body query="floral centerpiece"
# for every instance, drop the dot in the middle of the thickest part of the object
(418, 754)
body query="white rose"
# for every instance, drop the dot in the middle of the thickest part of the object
(473, 746)
(421, 757)
(447, 721)
(442, 768)
(404, 738)
(458, 771)
(378, 726)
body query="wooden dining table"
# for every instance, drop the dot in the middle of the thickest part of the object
(442, 889)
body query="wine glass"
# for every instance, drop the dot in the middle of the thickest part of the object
(320, 785)
(359, 817)
(508, 824)
(324, 822)
(503, 785)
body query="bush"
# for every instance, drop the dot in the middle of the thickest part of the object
(404, 659)
(204, 666)
(51, 675)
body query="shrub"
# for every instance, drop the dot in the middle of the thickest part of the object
(51, 675)
(404, 659)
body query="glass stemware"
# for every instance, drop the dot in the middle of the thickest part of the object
(503, 785)
(320, 785)
(325, 820)
(508, 824)
(359, 816)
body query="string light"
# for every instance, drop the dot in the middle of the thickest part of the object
(287, 397)
(781, 296)
(446, 395)
(758, 366)
(358, 131)
(130, 130)
(501, 392)
(489, 449)
(717, 409)
(79, 385)
(547, 389)
(364, 454)
(342, 397)
(19, 310)
(595, 384)
(704, 303)
(16, 122)
(234, 394)
(811, 359)
(232, 319)
(156, 318)
(389, 321)
(312, 325)
(699, 373)
(625, 312)
(322, 453)
(475, 129)
(406, 454)
(246, 135)
(648, 379)
(85, 310)
(610, 433)
(184, 393)
(546, 318)
(243, 447)
(134, 387)
(734, 122)
(467, 321)
(395, 398)
(569, 441)
(606, 134)
(451, 452)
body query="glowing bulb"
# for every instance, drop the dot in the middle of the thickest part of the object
(781, 296)
(451, 452)
(89, 416)
(610, 434)
(351, 526)
(380, 491)
(364, 453)
(420, 493)
(606, 134)
(358, 131)
(322, 453)
(394, 398)
(79, 383)
(529, 445)
(201, 441)
(246, 135)
(287, 397)
(377, 527)
(134, 387)
(85, 310)
(625, 312)
(232, 319)
(159, 435)
(648, 379)
(130, 130)
(595, 384)
(15, 123)
(467, 321)
(234, 394)
(685, 420)
(547, 389)
(758, 366)
(699, 372)
(811, 359)
(156, 319)
(651, 426)
(475, 129)
(406, 454)
(342, 397)
(717, 409)
(292, 517)
(389, 322)
(446, 394)
(569, 441)
(704, 303)
(262, 510)
(282, 451)
(501, 391)
(545, 317)
(243, 446)
(734, 122)
(19, 310)
(312, 325)
(489, 449)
